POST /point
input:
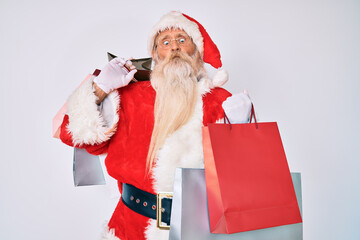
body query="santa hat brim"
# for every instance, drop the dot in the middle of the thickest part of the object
(176, 20)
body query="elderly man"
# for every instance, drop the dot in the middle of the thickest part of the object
(149, 128)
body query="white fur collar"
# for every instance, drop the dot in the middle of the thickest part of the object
(183, 148)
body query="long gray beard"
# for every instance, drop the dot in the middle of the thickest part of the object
(175, 82)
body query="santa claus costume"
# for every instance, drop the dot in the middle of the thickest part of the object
(124, 127)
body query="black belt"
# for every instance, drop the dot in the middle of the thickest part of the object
(145, 203)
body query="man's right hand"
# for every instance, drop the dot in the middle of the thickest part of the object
(238, 107)
(114, 75)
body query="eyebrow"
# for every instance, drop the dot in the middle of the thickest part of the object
(163, 37)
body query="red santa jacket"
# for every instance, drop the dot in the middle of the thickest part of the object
(126, 141)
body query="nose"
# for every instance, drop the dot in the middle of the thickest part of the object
(175, 45)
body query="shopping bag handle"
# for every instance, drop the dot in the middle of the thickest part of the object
(227, 119)
(252, 115)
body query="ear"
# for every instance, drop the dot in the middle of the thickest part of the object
(154, 56)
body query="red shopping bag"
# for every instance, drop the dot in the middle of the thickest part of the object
(248, 181)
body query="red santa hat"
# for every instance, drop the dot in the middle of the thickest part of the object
(194, 29)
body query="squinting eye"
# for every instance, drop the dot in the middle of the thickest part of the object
(166, 43)
(182, 40)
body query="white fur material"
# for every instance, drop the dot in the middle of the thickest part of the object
(86, 122)
(177, 20)
(108, 234)
(184, 149)
(206, 84)
(221, 77)
(154, 233)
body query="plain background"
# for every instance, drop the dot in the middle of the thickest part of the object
(300, 61)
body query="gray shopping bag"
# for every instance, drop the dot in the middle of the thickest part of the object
(87, 169)
(189, 213)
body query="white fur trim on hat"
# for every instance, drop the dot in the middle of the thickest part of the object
(87, 124)
(178, 21)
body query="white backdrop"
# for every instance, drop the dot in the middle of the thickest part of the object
(300, 61)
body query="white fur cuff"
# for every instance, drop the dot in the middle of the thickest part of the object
(86, 122)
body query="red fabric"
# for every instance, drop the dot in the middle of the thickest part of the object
(211, 52)
(127, 149)
(211, 104)
(254, 158)
(65, 136)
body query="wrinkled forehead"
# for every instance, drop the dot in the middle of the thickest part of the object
(172, 33)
